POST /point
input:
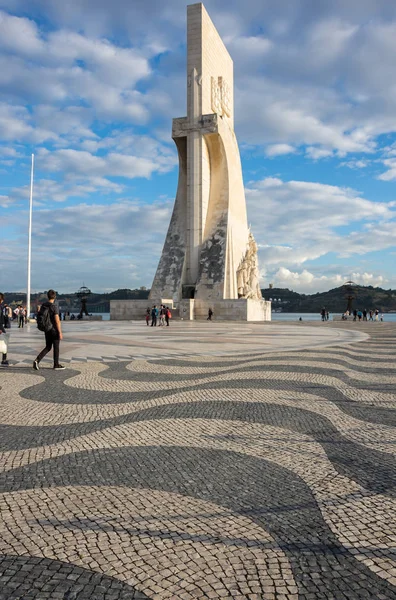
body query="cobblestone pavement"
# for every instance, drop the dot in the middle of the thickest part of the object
(113, 341)
(247, 476)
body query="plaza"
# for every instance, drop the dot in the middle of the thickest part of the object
(204, 460)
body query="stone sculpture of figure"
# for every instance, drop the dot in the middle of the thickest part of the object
(247, 273)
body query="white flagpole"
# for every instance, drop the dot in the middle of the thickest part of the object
(30, 239)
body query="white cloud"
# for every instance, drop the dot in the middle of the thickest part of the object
(390, 174)
(9, 151)
(317, 153)
(355, 164)
(114, 164)
(108, 246)
(297, 221)
(19, 35)
(68, 67)
(4, 201)
(307, 282)
(320, 77)
(279, 149)
(49, 190)
(16, 125)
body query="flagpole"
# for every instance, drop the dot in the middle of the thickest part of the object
(30, 240)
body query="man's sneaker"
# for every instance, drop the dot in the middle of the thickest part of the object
(5, 363)
(59, 367)
(36, 365)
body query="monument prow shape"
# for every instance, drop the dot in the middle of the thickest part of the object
(209, 253)
(209, 259)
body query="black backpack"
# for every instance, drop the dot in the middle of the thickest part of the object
(44, 322)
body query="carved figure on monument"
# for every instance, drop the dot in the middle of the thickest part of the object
(248, 273)
(208, 236)
(216, 97)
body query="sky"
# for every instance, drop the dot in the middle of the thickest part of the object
(91, 87)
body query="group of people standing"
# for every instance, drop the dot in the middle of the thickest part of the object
(365, 315)
(324, 314)
(158, 315)
(19, 314)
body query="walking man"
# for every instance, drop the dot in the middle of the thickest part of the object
(49, 322)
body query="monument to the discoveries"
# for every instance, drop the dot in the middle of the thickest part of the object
(209, 253)
(209, 259)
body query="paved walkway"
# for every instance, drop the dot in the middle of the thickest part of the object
(115, 340)
(254, 462)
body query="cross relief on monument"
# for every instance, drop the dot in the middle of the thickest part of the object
(209, 252)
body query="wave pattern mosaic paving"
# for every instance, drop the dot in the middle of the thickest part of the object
(248, 477)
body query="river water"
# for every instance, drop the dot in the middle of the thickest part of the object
(284, 316)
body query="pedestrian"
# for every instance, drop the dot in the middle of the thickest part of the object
(168, 315)
(359, 315)
(381, 317)
(355, 312)
(21, 317)
(376, 314)
(210, 314)
(3, 334)
(162, 315)
(154, 316)
(49, 322)
(365, 314)
(7, 312)
(148, 316)
(327, 315)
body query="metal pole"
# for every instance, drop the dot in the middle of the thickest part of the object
(30, 239)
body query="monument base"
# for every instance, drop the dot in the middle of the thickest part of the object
(241, 309)
(190, 310)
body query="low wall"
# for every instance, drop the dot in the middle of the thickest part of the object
(128, 310)
(135, 310)
(234, 310)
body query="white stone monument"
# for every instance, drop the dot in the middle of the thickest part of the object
(209, 255)
(209, 259)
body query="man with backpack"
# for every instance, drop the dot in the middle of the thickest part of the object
(48, 321)
(154, 316)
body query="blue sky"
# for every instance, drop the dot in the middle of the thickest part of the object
(91, 88)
